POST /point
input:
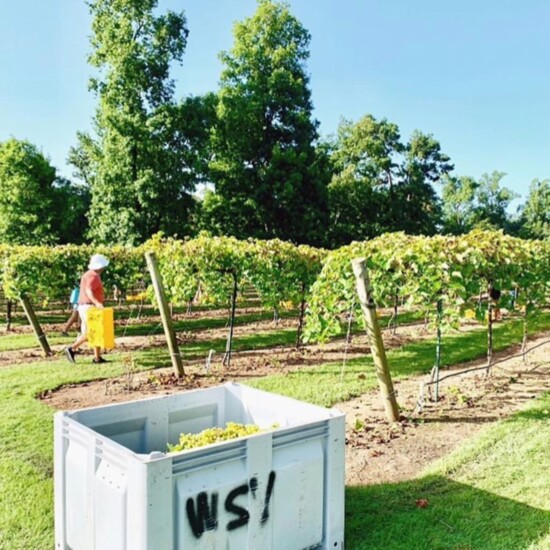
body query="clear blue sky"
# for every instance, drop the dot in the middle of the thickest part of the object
(475, 74)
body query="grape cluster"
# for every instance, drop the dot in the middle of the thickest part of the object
(232, 430)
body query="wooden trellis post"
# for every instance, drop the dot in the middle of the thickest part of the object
(378, 352)
(31, 316)
(173, 347)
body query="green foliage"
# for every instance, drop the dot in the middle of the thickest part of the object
(26, 194)
(535, 214)
(279, 271)
(71, 207)
(139, 160)
(416, 203)
(458, 204)
(282, 272)
(492, 201)
(53, 271)
(469, 204)
(455, 270)
(379, 184)
(267, 181)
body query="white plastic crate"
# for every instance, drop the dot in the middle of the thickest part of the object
(117, 489)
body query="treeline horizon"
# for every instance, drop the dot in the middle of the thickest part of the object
(253, 145)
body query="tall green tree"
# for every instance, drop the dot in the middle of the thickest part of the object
(417, 204)
(492, 202)
(470, 203)
(535, 213)
(364, 158)
(370, 149)
(132, 173)
(380, 184)
(268, 179)
(71, 204)
(26, 194)
(458, 196)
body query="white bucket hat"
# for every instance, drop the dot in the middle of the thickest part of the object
(98, 261)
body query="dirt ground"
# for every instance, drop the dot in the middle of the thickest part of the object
(376, 452)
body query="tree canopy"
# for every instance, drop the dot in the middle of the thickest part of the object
(245, 160)
(26, 194)
(380, 184)
(132, 172)
(267, 181)
(535, 214)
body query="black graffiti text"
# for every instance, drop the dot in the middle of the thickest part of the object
(203, 515)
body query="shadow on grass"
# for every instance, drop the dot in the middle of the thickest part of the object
(458, 516)
(155, 357)
(148, 328)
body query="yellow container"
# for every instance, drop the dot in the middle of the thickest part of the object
(101, 327)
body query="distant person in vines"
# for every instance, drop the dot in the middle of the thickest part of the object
(91, 295)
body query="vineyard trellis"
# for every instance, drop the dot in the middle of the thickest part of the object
(445, 277)
(219, 267)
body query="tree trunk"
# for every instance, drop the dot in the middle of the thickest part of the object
(524, 339)
(392, 323)
(9, 308)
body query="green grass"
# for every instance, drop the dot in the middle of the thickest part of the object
(203, 323)
(377, 517)
(26, 515)
(12, 342)
(493, 494)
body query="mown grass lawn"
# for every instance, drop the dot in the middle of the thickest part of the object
(493, 494)
(473, 496)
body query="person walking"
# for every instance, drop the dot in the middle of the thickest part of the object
(74, 313)
(91, 295)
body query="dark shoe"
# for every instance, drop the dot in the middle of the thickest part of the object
(100, 360)
(69, 353)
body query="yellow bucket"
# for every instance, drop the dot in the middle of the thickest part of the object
(101, 327)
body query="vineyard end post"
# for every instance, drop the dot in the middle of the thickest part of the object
(173, 347)
(378, 352)
(31, 316)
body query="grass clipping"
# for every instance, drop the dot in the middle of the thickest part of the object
(232, 430)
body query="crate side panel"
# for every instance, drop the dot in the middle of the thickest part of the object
(78, 496)
(128, 433)
(297, 501)
(202, 497)
(110, 502)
